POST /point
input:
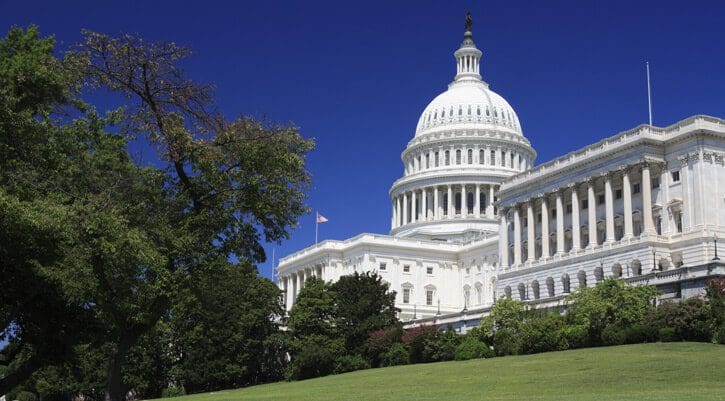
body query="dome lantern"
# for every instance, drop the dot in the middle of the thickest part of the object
(468, 57)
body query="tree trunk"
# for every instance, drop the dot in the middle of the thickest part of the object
(115, 389)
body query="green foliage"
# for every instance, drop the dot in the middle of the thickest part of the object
(611, 302)
(543, 334)
(472, 348)
(667, 334)
(314, 311)
(508, 314)
(688, 319)
(172, 391)
(441, 346)
(364, 304)
(715, 291)
(506, 342)
(350, 363)
(416, 339)
(380, 341)
(398, 354)
(314, 355)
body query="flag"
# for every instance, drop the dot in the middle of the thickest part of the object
(321, 218)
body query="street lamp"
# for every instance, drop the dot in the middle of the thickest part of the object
(714, 239)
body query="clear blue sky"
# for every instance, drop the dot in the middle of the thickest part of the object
(356, 75)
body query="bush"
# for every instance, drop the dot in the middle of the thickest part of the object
(472, 348)
(543, 334)
(575, 336)
(719, 335)
(350, 363)
(689, 319)
(633, 334)
(398, 354)
(505, 342)
(379, 342)
(315, 356)
(25, 396)
(172, 391)
(667, 334)
(441, 347)
(416, 339)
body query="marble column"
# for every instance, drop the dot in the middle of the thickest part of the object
(544, 228)
(517, 236)
(451, 212)
(559, 223)
(424, 204)
(609, 208)
(436, 212)
(649, 227)
(464, 201)
(531, 231)
(575, 223)
(489, 207)
(592, 209)
(405, 208)
(397, 213)
(413, 207)
(627, 200)
(477, 202)
(503, 241)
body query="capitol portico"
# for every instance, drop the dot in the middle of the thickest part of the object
(473, 219)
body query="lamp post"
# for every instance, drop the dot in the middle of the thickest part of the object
(714, 239)
(654, 259)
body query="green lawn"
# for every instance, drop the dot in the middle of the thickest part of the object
(669, 371)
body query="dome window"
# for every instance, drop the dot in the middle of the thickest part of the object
(443, 113)
(495, 112)
(451, 113)
(469, 109)
(435, 116)
(478, 110)
(460, 110)
(488, 112)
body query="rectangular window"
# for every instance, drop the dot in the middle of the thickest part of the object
(568, 209)
(427, 160)
(406, 268)
(655, 183)
(676, 176)
(382, 266)
(429, 270)
(406, 295)
(493, 157)
(436, 159)
(429, 297)
(618, 194)
(635, 188)
(448, 157)
(600, 200)
(585, 204)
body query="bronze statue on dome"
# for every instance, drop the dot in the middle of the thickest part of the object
(469, 21)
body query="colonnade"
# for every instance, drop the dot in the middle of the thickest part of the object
(435, 203)
(293, 283)
(537, 210)
(463, 154)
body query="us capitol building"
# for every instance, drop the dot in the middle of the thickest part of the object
(474, 220)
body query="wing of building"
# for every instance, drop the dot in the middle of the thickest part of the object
(473, 220)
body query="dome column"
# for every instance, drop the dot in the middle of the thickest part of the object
(450, 202)
(424, 204)
(477, 202)
(413, 208)
(405, 208)
(436, 212)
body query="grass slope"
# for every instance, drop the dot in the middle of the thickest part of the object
(669, 371)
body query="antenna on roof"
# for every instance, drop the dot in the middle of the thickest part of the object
(649, 96)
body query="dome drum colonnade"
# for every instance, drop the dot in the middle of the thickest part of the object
(467, 132)
(584, 197)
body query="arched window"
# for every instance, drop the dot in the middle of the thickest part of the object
(636, 268)
(466, 295)
(535, 288)
(445, 204)
(435, 157)
(481, 156)
(443, 113)
(458, 203)
(582, 277)
(479, 294)
(478, 110)
(435, 116)
(522, 292)
(488, 112)
(470, 156)
(427, 160)
(598, 273)
(458, 156)
(507, 292)
(550, 286)
(469, 109)
(447, 157)
(482, 203)
(469, 202)
(565, 283)
(460, 110)
(617, 270)
(493, 157)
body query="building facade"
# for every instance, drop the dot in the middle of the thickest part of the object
(473, 220)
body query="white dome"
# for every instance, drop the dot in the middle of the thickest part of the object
(468, 105)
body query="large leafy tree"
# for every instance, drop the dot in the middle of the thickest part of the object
(98, 244)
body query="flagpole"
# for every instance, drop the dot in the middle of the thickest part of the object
(649, 96)
(317, 223)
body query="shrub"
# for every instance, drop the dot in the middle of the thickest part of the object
(349, 363)
(397, 355)
(689, 319)
(472, 348)
(615, 334)
(667, 334)
(441, 346)
(416, 339)
(719, 335)
(505, 342)
(172, 391)
(315, 356)
(575, 336)
(542, 334)
(26, 396)
(379, 342)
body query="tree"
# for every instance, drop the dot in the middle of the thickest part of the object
(222, 327)
(611, 302)
(364, 305)
(100, 244)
